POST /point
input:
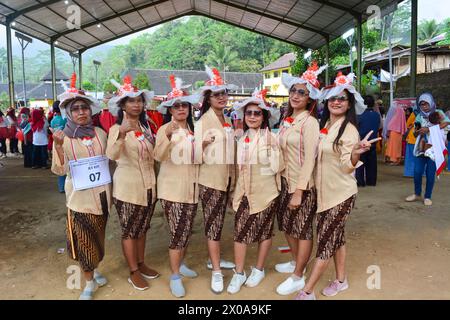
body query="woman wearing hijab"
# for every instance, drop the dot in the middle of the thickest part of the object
(39, 126)
(256, 197)
(337, 158)
(214, 151)
(88, 204)
(27, 137)
(178, 176)
(422, 164)
(395, 128)
(12, 131)
(58, 123)
(299, 137)
(130, 145)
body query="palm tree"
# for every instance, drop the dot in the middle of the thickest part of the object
(428, 29)
(222, 57)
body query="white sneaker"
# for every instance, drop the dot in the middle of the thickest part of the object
(236, 282)
(217, 282)
(290, 285)
(287, 267)
(255, 278)
(223, 264)
(427, 202)
(412, 198)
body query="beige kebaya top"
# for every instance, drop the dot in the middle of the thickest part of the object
(335, 181)
(88, 200)
(135, 173)
(178, 174)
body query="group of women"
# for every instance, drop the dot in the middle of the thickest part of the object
(301, 174)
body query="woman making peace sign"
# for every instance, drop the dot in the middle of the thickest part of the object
(338, 156)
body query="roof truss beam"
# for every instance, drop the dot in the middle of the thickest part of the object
(271, 16)
(118, 15)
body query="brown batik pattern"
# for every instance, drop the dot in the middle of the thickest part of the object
(214, 207)
(330, 228)
(135, 219)
(88, 235)
(180, 217)
(250, 228)
(297, 223)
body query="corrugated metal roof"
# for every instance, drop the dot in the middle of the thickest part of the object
(306, 23)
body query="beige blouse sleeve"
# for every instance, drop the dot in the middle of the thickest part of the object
(57, 168)
(162, 147)
(347, 142)
(115, 144)
(311, 140)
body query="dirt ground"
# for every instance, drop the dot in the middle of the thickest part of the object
(408, 242)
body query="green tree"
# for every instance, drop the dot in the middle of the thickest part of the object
(88, 86)
(141, 81)
(108, 87)
(223, 57)
(427, 30)
(4, 101)
(446, 29)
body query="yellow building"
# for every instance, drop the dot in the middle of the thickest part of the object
(272, 77)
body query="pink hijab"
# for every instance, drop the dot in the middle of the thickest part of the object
(398, 121)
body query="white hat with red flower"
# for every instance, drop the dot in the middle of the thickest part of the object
(341, 83)
(215, 82)
(258, 97)
(127, 90)
(309, 78)
(71, 93)
(177, 95)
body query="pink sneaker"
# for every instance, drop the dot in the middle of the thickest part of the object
(302, 295)
(334, 288)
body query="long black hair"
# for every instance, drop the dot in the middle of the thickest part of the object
(206, 104)
(264, 124)
(350, 117)
(190, 122)
(142, 115)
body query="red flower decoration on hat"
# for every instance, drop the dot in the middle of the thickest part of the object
(226, 125)
(341, 79)
(214, 75)
(176, 92)
(73, 81)
(127, 86)
(310, 75)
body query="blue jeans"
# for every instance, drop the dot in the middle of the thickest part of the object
(422, 164)
(61, 183)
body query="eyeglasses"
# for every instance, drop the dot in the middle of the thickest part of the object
(223, 93)
(300, 92)
(79, 107)
(256, 113)
(338, 98)
(178, 106)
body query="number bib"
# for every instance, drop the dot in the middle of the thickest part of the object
(90, 172)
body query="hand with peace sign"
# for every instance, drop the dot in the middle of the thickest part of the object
(364, 145)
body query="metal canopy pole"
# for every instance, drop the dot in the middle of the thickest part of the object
(53, 67)
(24, 42)
(80, 68)
(327, 61)
(10, 62)
(74, 57)
(413, 62)
(359, 46)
